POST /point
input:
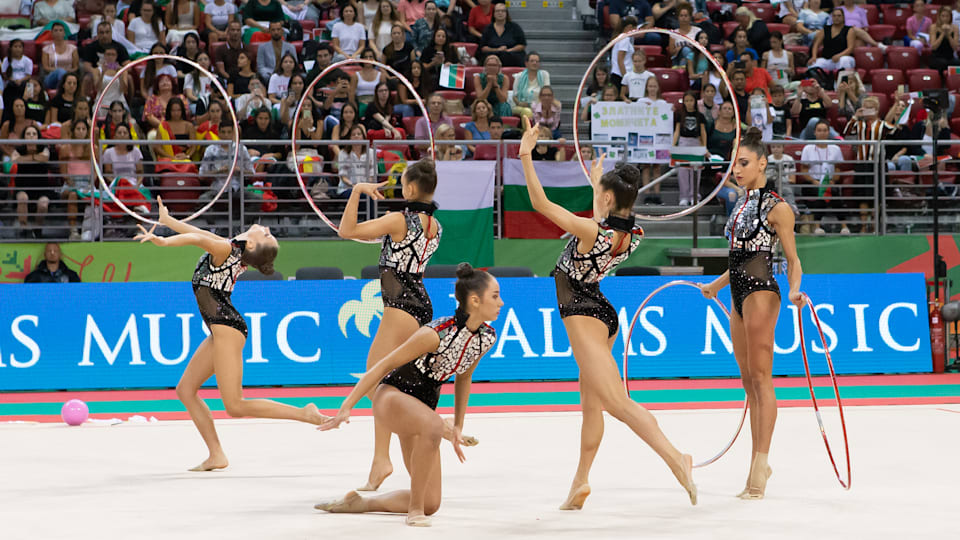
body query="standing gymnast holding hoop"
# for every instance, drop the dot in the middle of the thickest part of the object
(221, 353)
(406, 387)
(760, 217)
(591, 321)
(410, 238)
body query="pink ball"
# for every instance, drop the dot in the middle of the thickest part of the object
(74, 412)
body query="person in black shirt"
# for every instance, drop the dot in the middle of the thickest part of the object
(810, 107)
(51, 269)
(503, 38)
(60, 108)
(739, 82)
(92, 53)
(399, 53)
(542, 152)
(782, 121)
(690, 130)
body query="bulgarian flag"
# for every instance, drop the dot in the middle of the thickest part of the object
(451, 76)
(564, 183)
(46, 34)
(465, 198)
(687, 154)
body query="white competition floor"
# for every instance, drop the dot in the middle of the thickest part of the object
(129, 481)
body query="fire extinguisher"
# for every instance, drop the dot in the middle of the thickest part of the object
(937, 337)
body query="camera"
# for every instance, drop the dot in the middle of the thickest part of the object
(936, 101)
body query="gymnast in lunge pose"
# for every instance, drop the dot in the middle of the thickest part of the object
(406, 387)
(410, 238)
(760, 217)
(221, 353)
(591, 321)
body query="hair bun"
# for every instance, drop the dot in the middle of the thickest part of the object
(464, 270)
(753, 135)
(629, 174)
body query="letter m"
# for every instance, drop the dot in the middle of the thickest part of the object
(129, 331)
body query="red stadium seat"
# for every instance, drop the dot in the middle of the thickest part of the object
(512, 121)
(896, 16)
(468, 85)
(885, 81)
(451, 94)
(923, 79)
(217, 49)
(676, 99)
(510, 73)
(485, 152)
(175, 189)
(308, 26)
(657, 60)
(794, 150)
(764, 12)
(903, 58)
(651, 50)
(873, 13)
(779, 27)
(671, 80)
(868, 58)
(953, 82)
(881, 32)
(470, 47)
(955, 124)
(410, 124)
(729, 27)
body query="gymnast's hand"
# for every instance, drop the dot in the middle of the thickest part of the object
(335, 421)
(164, 218)
(708, 290)
(456, 440)
(798, 299)
(596, 170)
(529, 140)
(371, 190)
(148, 236)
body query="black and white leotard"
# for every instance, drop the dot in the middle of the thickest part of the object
(402, 264)
(459, 350)
(212, 286)
(752, 240)
(578, 275)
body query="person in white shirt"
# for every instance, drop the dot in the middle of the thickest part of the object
(782, 175)
(634, 84)
(355, 163)
(622, 53)
(148, 28)
(348, 37)
(817, 168)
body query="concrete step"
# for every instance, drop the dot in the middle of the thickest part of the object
(562, 52)
(536, 25)
(535, 11)
(559, 34)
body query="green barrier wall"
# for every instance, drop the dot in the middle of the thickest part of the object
(126, 261)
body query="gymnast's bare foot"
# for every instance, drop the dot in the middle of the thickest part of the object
(576, 498)
(215, 461)
(312, 414)
(379, 472)
(351, 503)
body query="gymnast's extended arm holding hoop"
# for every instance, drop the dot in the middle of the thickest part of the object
(187, 235)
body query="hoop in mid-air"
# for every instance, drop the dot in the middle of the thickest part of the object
(229, 103)
(723, 75)
(296, 122)
(626, 358)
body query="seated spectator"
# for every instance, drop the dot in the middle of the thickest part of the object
(76, 171)
(148, 28)
(289, 102)
(944, 41)
(261, 130)
(189, 48)
(491, 84)
(368, 78)
(380, 119)
(118, 27)
(665, 14)
(356, 163)
(503, 38)
(32, 180)
(622, 53)
(546, 112)
(81, 114)
(817, 168)
(812, 19)
(758, 35)
(478, 128)
(208, 128)
(36, 100)
(634, 83)
(17, 68)
(198, 87)
(60, 108)
(239, 82)
(260, 13)
(755, 78)
(811, 107)
(527, 85)
(480, 17)
(300, 10)
(399, 53)
(182, 18)
(699, 66)
(269, 53)
(544, 152)
(761, 114)
(118, 116)
(422, 83)
(227, 65)
(438, 53)
(918, 27)
(782, 119)
(349, 37)
(778, 62)
(349, 118)
(217, 15)
(45, 11)
(155, 109)
(58, 57)
(425, 26)
(248, 104)
(91, 54)
(18, 123)
(412, 10)
(51, 269)
(380, 27)
(107, 71)
(781, 175)
(638, 9)
(217, 159)
(690, 129)
(435, 108)
(123, 160)
(720, 143)
(740, 46)
(838, 42)
(599, 81)
(280, 80)
(449, 151)
(850, 94)
(154, 69)
(866, 125)
(175, 127)
(789, 12)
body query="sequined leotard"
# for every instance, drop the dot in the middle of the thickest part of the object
(752, 239)
(402, 264)
(578, 275)
(212, 286)
(459, 350)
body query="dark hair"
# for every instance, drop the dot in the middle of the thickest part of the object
(279, 69)
(624, 182)
(260, 258)
(8, 73)
(753, 140)
(325, 46)
(170, 104)
(386, 110)
(63, 81)
(155, 21)
(683, 106)
(224, 123)
(424, 174)
(496, 119)
(469, 281)
(532, 53)
(685, 7)
(629, 20)
(776, 34)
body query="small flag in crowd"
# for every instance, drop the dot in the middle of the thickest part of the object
(955, 70)
(905, 115)
(687, 154)
(451, 76)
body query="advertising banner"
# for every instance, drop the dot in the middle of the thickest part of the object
(141, 335)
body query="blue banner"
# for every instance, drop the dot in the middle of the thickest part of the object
(141, 335)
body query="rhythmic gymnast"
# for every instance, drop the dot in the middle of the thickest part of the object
(410, 238)
(760, 217)
(406, 387)
(221, 353)
(591, 321)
